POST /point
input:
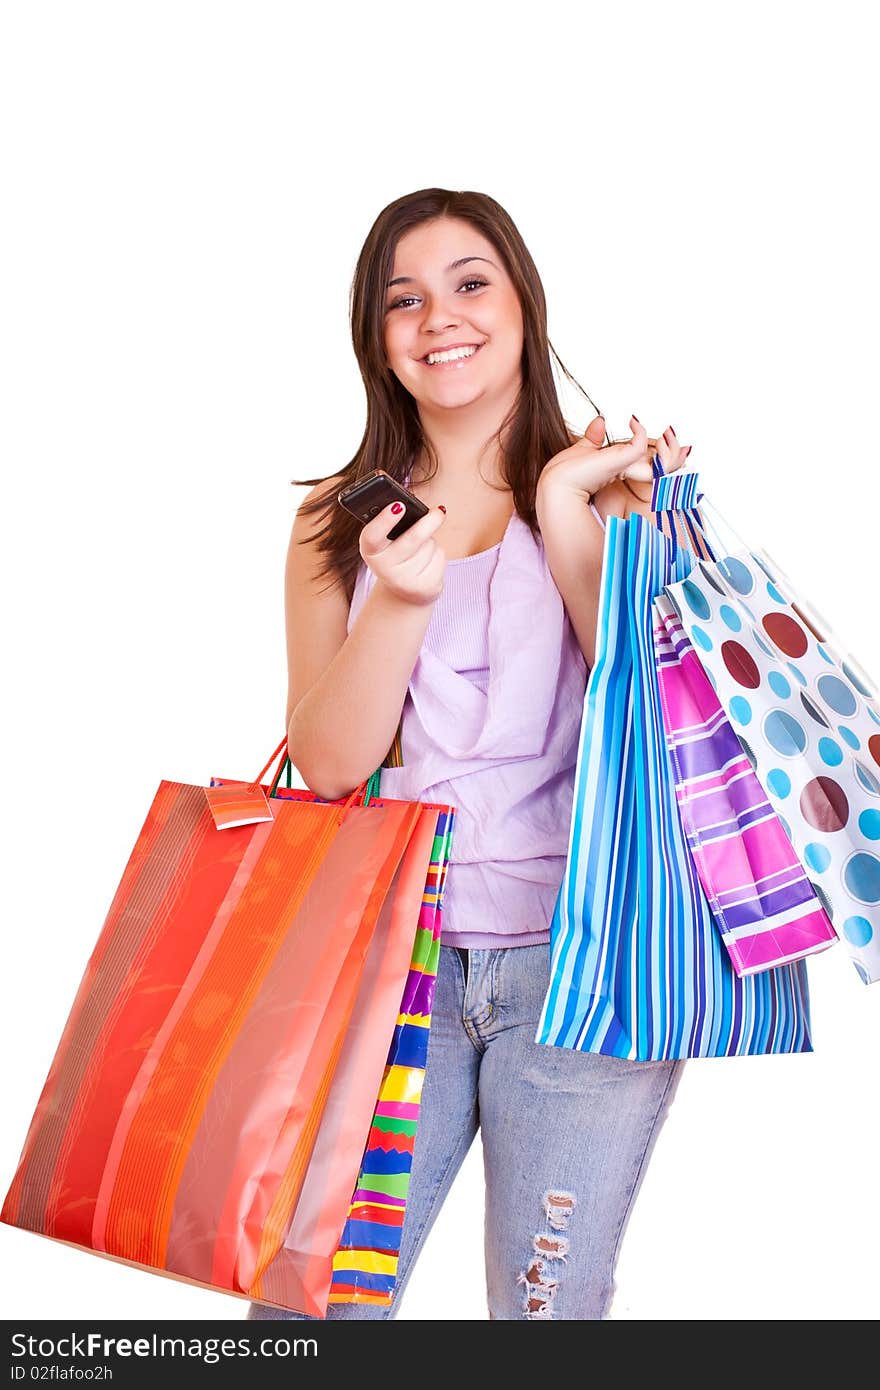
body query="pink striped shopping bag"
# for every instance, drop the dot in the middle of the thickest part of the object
(761, 899)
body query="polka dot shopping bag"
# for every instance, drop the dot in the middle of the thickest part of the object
(808, 719)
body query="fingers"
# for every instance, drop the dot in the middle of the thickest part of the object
(595, 431)
(672, 454)
(622, 453)
(374, 535)
(640, 434)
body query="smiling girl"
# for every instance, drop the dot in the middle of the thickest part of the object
(475, 631)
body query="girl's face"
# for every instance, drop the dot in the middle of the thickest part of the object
(438, 304)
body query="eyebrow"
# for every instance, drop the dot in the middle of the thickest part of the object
(408, 279)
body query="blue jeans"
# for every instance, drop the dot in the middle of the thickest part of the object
(566, 1139)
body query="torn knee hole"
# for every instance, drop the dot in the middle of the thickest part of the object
(537, 1274)
(551, 1247)
(539, 1304)
(558, 1207)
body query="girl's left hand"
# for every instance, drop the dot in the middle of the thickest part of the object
(672, 456)
(588, 465)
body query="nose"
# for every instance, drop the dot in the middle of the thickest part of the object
(438, 317)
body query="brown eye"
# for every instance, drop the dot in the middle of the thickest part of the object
(408, 298)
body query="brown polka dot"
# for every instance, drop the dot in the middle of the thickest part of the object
(874, 748)
(741, 664)
(785, 633)
(824, 805)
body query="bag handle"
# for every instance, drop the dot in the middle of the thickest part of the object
(675, 510)
(361, 796)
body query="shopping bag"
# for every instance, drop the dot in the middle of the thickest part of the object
(760, 896)
(360, 1265)
(810, 727)
(248, 936)
(638, 968)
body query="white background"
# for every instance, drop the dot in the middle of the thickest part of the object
(186, 189)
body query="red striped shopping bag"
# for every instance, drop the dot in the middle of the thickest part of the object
(249, 986)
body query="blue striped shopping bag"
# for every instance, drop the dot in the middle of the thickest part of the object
(638, 967)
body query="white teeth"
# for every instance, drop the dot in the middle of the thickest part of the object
(451, 356)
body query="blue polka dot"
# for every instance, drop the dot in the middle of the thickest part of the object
(814, 711)
(858, 931)
(775, 594)
(731, 617)
(855, 680)
(701, 638)
(696, 600)
(822, 652)
(763, 563)
(785, 825)
(711, 679)
(779, 782)
(830, 752)
(874, 715)
(779, 685)
(817, 857)
(740, 709)
(798, 675)
(869, 824)
(848, 736)
(837, 695)
(763, 645)
(867, 778)
(861, 877)
(784, 733)
(738, 575)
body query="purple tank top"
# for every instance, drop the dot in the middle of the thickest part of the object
(491, 725)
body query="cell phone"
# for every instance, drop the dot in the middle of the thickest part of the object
(368, 496)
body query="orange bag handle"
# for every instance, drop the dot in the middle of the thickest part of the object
(355, 799)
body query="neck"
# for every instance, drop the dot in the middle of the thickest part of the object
(464, 439)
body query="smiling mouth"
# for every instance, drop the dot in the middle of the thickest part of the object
(453, 362)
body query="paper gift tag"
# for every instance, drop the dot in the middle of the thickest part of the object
(237, 803)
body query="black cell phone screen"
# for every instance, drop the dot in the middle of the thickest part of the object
(370, 495)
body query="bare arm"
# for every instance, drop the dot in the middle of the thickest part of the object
(345, 690)
(574, 540)
(573, 544)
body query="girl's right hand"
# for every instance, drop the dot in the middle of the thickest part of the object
(412, 566)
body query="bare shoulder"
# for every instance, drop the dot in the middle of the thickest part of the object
(616, 499)
(316, 607)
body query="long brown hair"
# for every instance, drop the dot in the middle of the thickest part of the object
(393, 437)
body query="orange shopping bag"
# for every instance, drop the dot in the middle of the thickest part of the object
(250, 938)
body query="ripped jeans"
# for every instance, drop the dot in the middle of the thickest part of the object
(566, 1140)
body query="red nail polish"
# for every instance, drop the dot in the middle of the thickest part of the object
(441, 506)
(671, 430)
(637, 420)
(398, 507)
